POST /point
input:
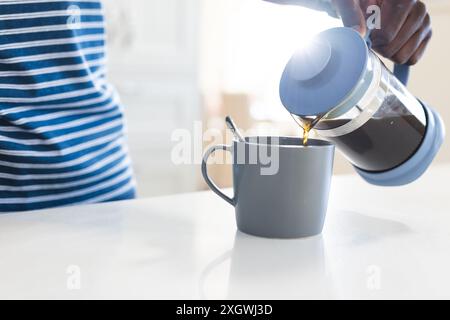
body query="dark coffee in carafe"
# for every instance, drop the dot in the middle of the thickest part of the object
(380, 144)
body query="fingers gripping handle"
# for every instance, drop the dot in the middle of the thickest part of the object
(401, 71)
(208, 181)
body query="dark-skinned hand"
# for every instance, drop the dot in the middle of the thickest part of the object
(405, 27)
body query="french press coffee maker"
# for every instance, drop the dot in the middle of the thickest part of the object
(389, 136)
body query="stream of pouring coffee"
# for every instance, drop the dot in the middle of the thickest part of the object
(307, 124)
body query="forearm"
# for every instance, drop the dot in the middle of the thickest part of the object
(321, 5)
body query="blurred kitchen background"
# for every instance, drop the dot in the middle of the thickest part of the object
(178, 62)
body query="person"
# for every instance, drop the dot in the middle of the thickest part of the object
(61, 122)
(405, 26)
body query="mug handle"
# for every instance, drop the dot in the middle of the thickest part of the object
(208, 181)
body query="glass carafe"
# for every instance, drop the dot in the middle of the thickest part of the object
(363, 108)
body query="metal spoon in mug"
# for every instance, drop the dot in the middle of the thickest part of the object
(230, 124)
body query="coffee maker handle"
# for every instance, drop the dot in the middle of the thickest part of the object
(401, 71)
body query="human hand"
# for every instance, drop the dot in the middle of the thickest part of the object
(405, 27)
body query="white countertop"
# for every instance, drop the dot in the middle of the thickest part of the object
(377, 243)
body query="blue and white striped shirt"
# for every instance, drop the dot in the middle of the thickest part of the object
(61, 123)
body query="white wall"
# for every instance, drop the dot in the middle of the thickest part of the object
(430, 78)
(153, 55)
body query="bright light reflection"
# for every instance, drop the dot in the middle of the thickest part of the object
(261, 39)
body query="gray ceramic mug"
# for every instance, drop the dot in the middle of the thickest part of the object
(281, 188)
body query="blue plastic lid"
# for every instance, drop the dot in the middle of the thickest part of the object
(323, 73)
